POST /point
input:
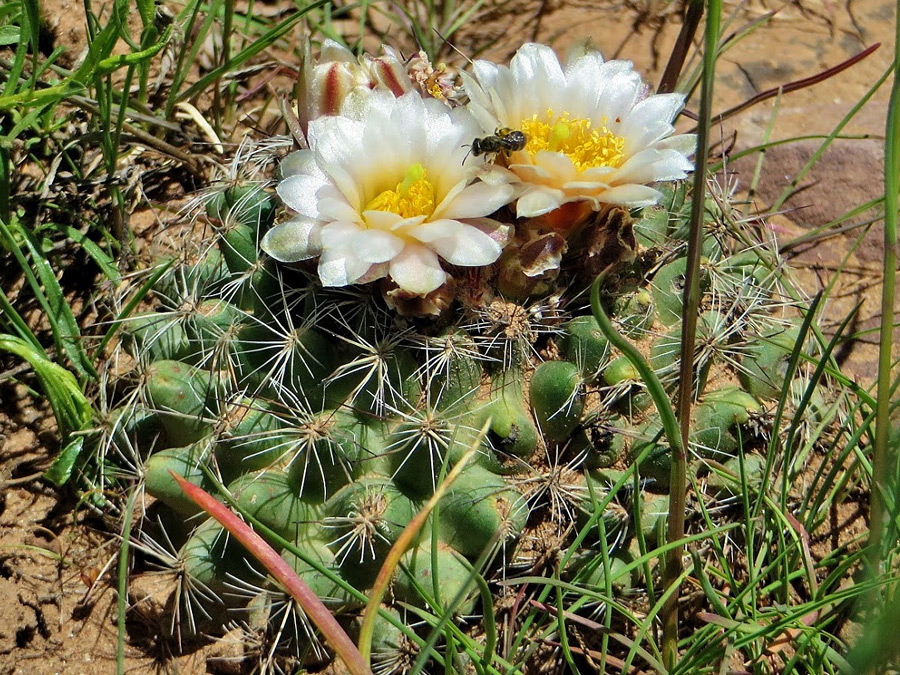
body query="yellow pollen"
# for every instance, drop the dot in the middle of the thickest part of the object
(413, 196)
(586, 145)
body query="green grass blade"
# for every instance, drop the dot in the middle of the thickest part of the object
(49, 294)
(70, 406)
(265, 41)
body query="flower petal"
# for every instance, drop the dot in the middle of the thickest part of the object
(417, 269)
(476, 201)
(630, 195)
(538, 201)
(295, 240)
(298, 192)
(652, 165)
(464, 245)
(340, 267)
(377, 246)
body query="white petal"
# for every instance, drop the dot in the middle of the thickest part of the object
(332, 208)
(557, 164)
(652, 165)
(299, 161)
(436, 229)
(417, 270)
(630, 195)
(479, 102)
(532, 173)
(466, 246)
(381, 220)
(596, 173)
(377, 246)
(295, 240)
(477, 200)
(658, 107)
(299, 193)
(686, 144)
(619, 96)
(335, 51)
(339, 235)
(534, 62)
(537, 202)
(340, 267)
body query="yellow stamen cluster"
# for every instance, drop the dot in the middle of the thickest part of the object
(413, 196)
(586, 145)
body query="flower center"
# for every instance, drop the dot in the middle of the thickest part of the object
(586, 145)
(413, 196)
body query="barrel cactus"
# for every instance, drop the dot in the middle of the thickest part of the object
(326, 379)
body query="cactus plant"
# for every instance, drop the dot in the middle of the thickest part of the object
(331, 414)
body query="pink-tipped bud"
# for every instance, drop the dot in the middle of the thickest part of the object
(389, 72)
(332, 83)
(338, 80)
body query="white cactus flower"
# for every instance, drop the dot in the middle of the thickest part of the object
(594, 133)
(386, 194)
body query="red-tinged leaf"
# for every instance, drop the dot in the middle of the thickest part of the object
(709, 617)
(278, 568)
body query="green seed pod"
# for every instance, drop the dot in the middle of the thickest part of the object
(395, 383)
(374, 437)
(246, 213)
(157, 336)
(390, 646)
(615, 518)
(620, 370)
(189, 463)
(583, 343)
(298, 362)
(765, 363)
(513, 430)
(131, 429)
(665, 351)
(750, 265)
(594, 575)
(603, 442)
(325, 453)
(634, 312)
(258, 290)
(269, 497)
(717, 419)
(556, 398)
(480, 510)
(186, 398)
(451, 577)
(649, 448)
(214, 327)
(239, 247)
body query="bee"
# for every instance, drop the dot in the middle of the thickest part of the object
(504, 140)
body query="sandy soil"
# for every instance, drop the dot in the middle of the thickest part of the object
(57, 566)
